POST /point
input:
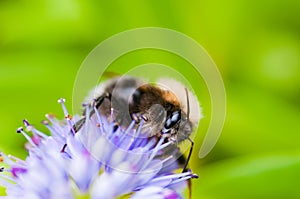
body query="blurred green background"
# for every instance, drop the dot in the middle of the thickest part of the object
(255, 44)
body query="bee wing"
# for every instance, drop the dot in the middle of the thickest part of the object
(179, 90)
(110, 74)
(98, 91)
(123, 87)
(155, 119)
(119, 89)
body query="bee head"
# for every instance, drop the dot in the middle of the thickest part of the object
(177, 126)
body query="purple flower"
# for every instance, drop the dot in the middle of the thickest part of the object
(99, 160)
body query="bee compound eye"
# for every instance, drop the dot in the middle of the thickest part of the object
(172, 120)
(168, 123)
(136, 96)
(176, 116)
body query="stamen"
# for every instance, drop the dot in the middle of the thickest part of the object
(129, 128)
(64, 148)
(6, 177)
(5, 182)
(19, 161)
(116, 126)
(16, 171)
(50, 116)
(5, 159)
(180, 180)
(84, 104)
(67, 115)
(163, 161)
(99, 118)
(52, 129)
(1, 169)
(140, 128)
(20, 130)
(36, 139)
(26, 123)
(183, 178)
(87, 119)
(45, 122)
(55, 125)
(30, 128)
(112, 114)
(154, 152)
(61, 100)
(172, 176)
(87, 109)
(65, 110)
(111, 134)
(135, 117)
(149, 145)
(137, 141)
(140, 143)
(88, 123)
(195, 176)
(136, 134)
(165, 145)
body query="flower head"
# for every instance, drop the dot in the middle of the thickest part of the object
(91, 157)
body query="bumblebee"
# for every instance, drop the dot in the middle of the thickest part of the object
(163, 113)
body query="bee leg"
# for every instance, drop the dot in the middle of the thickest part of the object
(182, 160)
(189, 184)
(96, 103)
(189, 155)
(99, 100)
(78, 124)
(185, 168)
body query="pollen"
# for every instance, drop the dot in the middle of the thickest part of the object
(50, 115)
(45, 122)
(68, 117)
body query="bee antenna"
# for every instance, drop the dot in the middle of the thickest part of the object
(188, 103)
